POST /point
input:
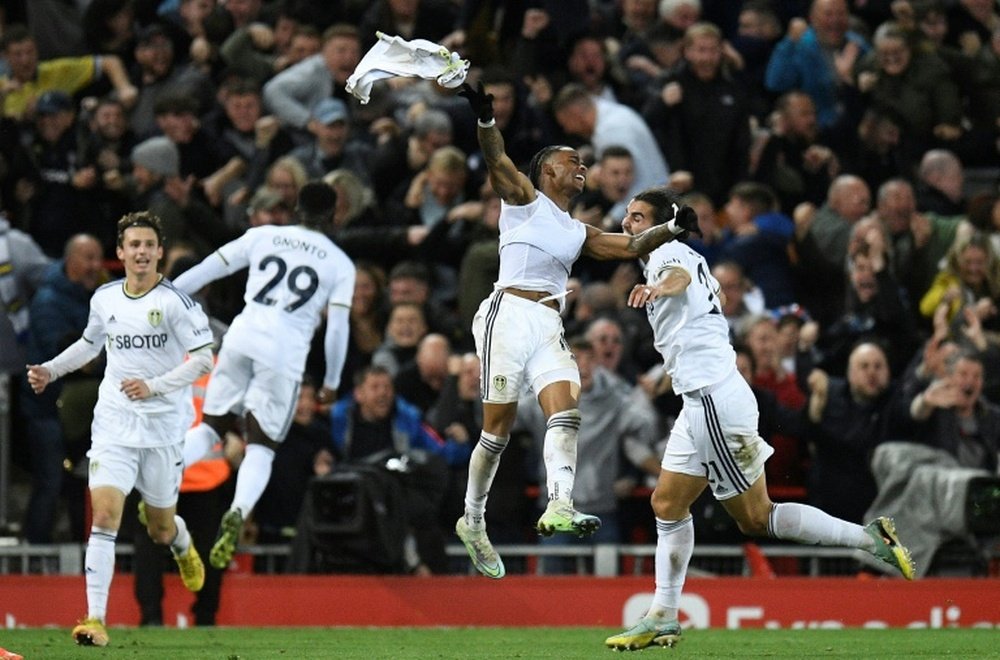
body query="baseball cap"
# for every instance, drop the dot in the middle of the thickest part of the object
(53, 101)
(330, 110)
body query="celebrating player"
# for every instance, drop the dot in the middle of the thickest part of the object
(518, 329)
(147, 326)
(714, 441)
(295, 275)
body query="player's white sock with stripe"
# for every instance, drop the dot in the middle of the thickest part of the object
(482, 468)
(559, 453)
(198, 441)
(802, 523)
(252, 478)
(100, 567)
(674, 547)
(182, 541)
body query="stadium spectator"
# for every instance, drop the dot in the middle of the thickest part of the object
(399, 157)
(142, 410)
(819, 57)
(603, 123)
(259, 51)
(333, 147)
(970, 278)
(793, 162)
(373, 425)
(950, 467)
(22, 269)
(157, 74)
(27, 79)
(940, 183)
(409, 19)
(406, 327)
(849, 418)
(420, 381)
(292, 94)
(54, 184)
(156, 184)
(821, 240)
(247, 142)
(618, 446)
(106, 145)
(702, 92)
(58, 315)
(742, 299)
(757, 238)
(602, 203)
(917, 87)
(787, 467)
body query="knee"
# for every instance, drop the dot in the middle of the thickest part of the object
(104, 519)
(667, 507)
(753, 523)
(161, 534)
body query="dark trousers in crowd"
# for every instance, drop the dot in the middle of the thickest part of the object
(202, 513)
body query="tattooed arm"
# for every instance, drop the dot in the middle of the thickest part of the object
(512, 186)
(603, 245)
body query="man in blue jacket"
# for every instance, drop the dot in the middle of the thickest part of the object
(58, 314)
(818, 58)
(374, 426)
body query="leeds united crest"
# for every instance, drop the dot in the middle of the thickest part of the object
(154, 316)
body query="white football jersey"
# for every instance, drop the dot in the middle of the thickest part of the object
(689, 329)
(293, 274)
(144, 336)
(539, 242)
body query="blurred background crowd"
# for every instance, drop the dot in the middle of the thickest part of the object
(842, 156)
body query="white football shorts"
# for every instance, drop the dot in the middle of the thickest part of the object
(520, 344)
(239, 384)
(715, 436)
(155, 472)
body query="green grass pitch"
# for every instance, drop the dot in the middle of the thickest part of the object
(498, 643)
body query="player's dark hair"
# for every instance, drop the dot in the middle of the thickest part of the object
(317, 202)
(140, 219)
(663, 201)
(539, 159)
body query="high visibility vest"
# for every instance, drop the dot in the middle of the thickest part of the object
(213, 469)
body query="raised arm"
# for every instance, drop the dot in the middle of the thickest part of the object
(510, 184)
(604, 245)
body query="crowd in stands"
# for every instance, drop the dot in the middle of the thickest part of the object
(826, 146)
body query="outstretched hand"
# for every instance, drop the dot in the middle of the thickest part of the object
(481, 102)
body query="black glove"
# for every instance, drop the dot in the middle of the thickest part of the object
(687, 220)
(481, 102)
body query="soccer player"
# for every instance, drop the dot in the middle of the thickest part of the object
(295, 275)
(714, 441)
(518, 329)
(148, 327)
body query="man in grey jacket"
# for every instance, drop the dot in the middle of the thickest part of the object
(617, 422)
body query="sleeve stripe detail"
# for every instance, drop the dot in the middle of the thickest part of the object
(185, 298)
(337, 304)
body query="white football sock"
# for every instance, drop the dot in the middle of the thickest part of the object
(198, 441)
(802, 523)
(482, 469)
(182, 541)
(559, 453)
(674, 547)
(252, 478)
(100, 568)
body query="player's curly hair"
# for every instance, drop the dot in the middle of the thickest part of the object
(535, 167)
(140, 219)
